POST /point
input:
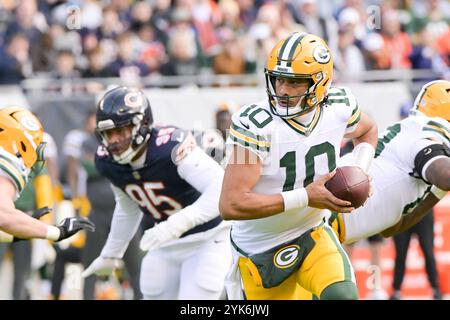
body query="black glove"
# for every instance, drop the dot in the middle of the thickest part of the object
(39, 213)
(69, 226)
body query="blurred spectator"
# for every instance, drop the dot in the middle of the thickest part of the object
(108, 32)
(396, 43)
(141, 13)
(66, 72)
(6, 12)
(223, 117)
(348, 60)
(205, 16)
(89, 40)
(307, 14)
(123, 8)
(65, 66)
(126, 65)
(111, 25)
(424, 54)
(351, 20)
(151, 50)
(212, 140)
(357, 5)
(28, 21)
(435, 16)
(247, 12)
(160, 19)
(230, 15)
(443, 46)
(376, 57)
(231, 59)
(43, 59)
(96, 65)
(91, 14)
(15, 64)
(266, 31)
(64, 39)
(184, 55)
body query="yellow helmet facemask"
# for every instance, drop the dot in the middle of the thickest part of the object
(433, 100)
(299, 56)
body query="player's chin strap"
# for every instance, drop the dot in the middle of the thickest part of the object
(363, 155)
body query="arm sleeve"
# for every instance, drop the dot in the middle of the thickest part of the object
(244, 133)
(355, 115)
(13, 169)
(125, 222)
(205, 175)
(346, 106)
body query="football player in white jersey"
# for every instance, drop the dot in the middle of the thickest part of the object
(283, 152)
(411, 170)
(21, 153)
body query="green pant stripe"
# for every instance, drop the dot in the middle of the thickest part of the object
(345, 261)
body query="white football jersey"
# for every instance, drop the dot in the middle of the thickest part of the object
(396, 191)
(14, 169)
(292, 157)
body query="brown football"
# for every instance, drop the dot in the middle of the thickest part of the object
(350, 183)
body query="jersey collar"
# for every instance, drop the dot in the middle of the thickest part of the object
(304, 129)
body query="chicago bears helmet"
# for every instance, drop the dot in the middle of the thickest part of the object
(121, 107)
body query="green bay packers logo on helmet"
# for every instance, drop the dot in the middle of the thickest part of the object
(321, 54)
(29, 123)
(286, 257)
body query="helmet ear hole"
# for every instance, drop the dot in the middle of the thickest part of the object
(24, 148)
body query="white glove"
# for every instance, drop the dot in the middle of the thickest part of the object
(102, 267)
(156, 236)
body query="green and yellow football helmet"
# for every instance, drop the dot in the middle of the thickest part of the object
(433, 100)
(21, 134)
(299, 56)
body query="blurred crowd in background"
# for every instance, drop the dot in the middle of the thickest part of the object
(134, 39)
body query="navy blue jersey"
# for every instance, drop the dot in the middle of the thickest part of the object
(156, 187)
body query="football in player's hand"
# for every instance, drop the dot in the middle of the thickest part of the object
(350, 183)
